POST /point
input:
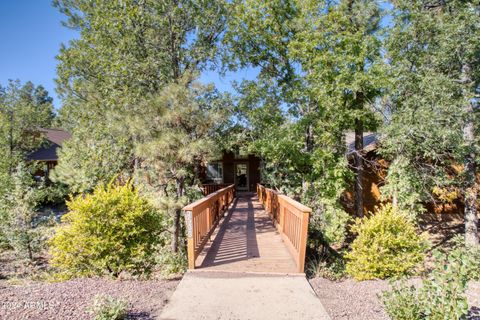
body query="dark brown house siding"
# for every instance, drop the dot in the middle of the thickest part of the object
(230, 162)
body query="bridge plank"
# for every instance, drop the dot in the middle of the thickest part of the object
(247, 241)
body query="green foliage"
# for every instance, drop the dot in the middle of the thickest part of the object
(91, 157)
(402, 302)
(332, 221)
(171, 263)
(18, 226)
(407, 187)
(50, 194)
(23, 110)
(184, 121)
(387, 245)
(108, 308)
(430, 117)
(330, 267)
(442, 294)
(126, 54)
(110, 231)
(320, 69)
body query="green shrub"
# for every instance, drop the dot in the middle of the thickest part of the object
(387, 245)
(333, 224)
(110, 231)
(51, 194)
(108, 308)
(442, 295)
(332, 268)
(171, 263)
(17, 213)
(402, 302)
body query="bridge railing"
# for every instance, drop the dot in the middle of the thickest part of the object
(209, 188)
(291, 219)
(201, 218)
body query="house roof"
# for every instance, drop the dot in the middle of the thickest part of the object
(56, 136)
(370, 140)
(48, 152)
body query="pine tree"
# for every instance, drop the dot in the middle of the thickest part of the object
(178, 131)
(432, 120)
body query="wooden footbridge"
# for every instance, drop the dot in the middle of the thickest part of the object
(247, 232)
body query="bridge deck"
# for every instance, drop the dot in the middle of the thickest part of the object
(247, 241)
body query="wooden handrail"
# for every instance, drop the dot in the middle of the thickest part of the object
(201, 218)
(291, 219)
(209, 188)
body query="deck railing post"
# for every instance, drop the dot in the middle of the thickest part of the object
(282, 216)
(303, 242)
(209, 217)
(190, 241)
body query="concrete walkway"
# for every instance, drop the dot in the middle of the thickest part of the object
(225, 295)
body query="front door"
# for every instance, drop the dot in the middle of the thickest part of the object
(241, 176)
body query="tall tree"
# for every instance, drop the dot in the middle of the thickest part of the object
(126, 51)
(339, 51)
(24, 109)
(178, 131)
(432, 116)
(286, 122)
(126, 86)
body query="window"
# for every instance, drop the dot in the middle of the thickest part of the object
(215, 172)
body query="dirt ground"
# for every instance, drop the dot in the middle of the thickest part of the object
(353, 300)
(71, 299)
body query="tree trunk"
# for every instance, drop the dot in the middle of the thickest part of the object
(309, 142)
(395, 200)
(470, 191)
(176, 218)
(10, 142)
(358, 162)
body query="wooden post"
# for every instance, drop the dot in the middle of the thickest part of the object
(282, 216)
(209, 218)
(303, 242)
(190, 242)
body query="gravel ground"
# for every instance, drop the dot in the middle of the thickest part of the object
(70, 299)
(350, 299)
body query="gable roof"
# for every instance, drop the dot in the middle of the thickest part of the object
(56, 136)
(370, 140)
(48, 152)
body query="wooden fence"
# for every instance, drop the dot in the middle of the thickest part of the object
(201, 218)
(212, 187)
(291, 219)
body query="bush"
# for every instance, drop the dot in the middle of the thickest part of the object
(108, 308)
(332, 268)
(442, 294)
(402, 302)
(51, 194)
(171, 263)
(111, 231)
(334, 222)
(387, 245)
(17, 213)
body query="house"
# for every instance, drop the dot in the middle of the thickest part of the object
(374, 174)
(244, 170)
(232, 168)
(48, 151)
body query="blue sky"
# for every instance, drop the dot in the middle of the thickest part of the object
(31, 37)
